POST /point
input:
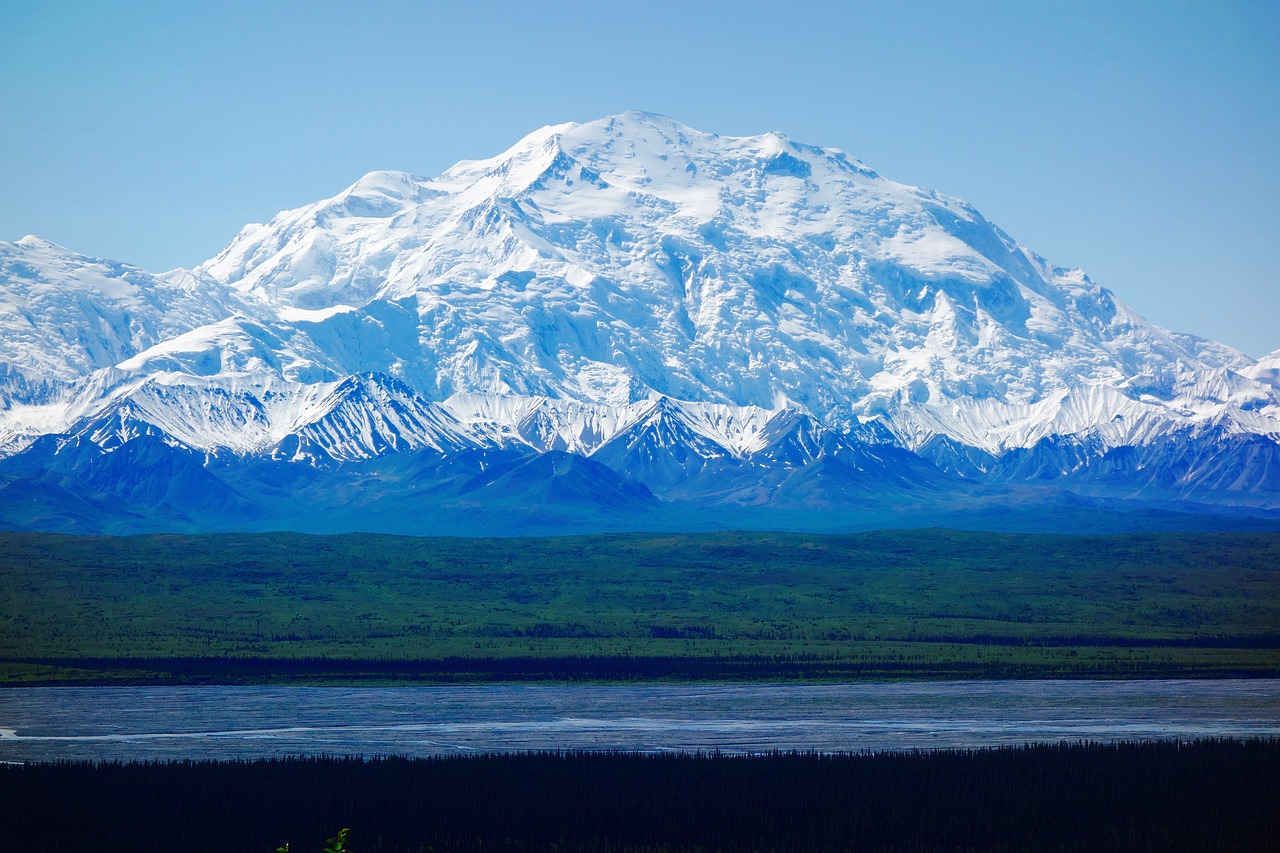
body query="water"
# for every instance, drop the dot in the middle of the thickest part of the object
(140, 723)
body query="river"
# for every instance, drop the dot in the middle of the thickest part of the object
(150, 723)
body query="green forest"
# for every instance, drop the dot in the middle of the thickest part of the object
(888, 604)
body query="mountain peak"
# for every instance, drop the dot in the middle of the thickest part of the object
(720, 318)
(391, 184)
(632, 258)
(33, 241)
(632, 255)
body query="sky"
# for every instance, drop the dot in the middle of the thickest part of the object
(1138, 141)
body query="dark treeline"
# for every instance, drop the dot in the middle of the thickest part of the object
(1206, 641)
(238, 669)
(1206, 796)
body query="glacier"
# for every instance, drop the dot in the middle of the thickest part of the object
(620, 324)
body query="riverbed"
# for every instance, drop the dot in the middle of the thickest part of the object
(224, 722)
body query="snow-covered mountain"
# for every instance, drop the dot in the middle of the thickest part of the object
(743, 321)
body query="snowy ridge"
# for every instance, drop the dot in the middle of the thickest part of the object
(63, 315)
(371, 415)
(688, 310)
(606, 261)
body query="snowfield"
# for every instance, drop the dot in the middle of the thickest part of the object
(626, 288)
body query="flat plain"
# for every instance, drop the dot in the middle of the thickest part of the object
(287, 607)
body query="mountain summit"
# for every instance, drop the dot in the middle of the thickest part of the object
(611, 260)
(546, 299)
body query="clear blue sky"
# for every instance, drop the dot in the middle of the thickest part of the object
(1140, 141)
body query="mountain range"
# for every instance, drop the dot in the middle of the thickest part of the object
(622, 324)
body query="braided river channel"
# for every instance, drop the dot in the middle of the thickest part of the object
(221, 722)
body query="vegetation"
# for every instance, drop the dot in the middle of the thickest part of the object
(337, 844)
(1204, 796)
(889, 604)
